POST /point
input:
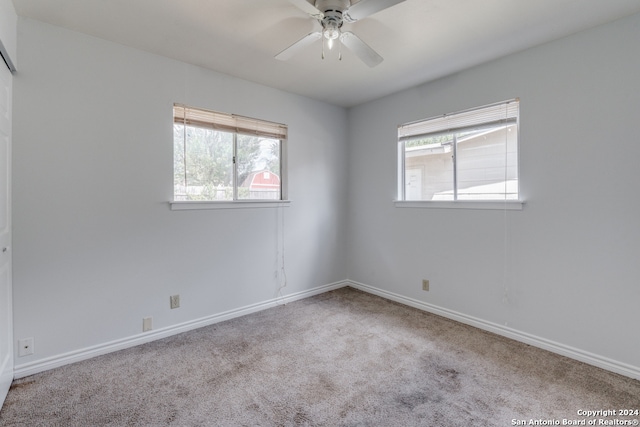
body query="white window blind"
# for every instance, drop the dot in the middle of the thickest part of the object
(473, 119)
(225, 122)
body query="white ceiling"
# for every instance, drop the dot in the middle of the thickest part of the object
(420, 40)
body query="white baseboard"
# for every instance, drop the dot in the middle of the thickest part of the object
(554, 347)
(31, 368)
(35, 367)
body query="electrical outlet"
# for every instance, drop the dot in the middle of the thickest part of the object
(425, 285)
(25, 347)
(147, 324)
(174, 301)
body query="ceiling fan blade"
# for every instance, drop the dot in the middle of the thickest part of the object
(299, 45)
(361, 49)
(364, 8)
(307, 8)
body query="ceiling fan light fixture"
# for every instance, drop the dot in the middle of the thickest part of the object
(331, 31)
(331, 35)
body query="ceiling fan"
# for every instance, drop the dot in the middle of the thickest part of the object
(331, 14)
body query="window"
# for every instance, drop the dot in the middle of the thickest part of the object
(471, 155)
(225, 157)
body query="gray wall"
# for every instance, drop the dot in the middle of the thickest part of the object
(97, 247)
(566, 268)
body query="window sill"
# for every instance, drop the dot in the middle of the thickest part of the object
(239, 204)
(500, 205)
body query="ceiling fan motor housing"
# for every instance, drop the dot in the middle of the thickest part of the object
(331, 24)
(335, 5)
(332, 19)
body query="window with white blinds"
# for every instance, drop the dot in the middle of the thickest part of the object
(226, 157)
(470, 155)
(233, 123)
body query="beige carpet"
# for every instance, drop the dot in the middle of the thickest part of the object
(343, 358)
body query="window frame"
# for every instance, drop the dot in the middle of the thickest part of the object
(236, 125)
(501, 204)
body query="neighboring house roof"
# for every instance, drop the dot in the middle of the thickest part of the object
(421, 150)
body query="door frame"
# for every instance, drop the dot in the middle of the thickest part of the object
(6, 291)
